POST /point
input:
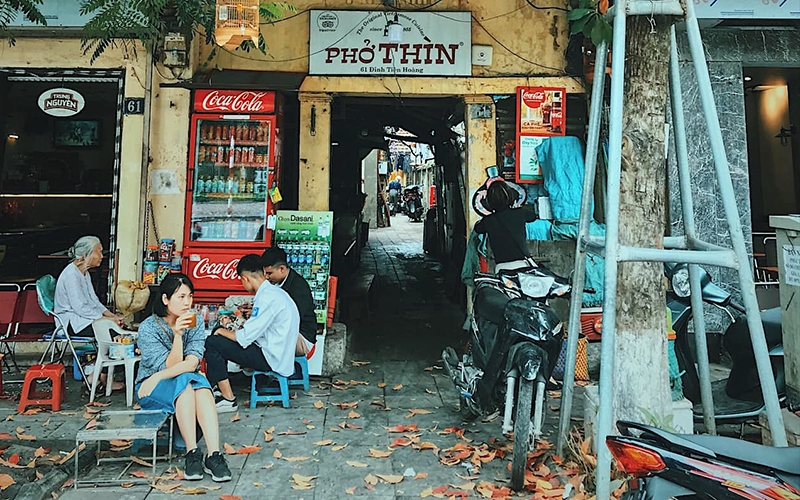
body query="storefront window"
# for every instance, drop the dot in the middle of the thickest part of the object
(57, 159)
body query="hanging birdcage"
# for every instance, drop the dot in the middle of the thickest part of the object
(237, 21)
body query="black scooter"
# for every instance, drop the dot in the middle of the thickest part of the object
(514, 342)
(412, 198)
(666, 466)
(738, 398)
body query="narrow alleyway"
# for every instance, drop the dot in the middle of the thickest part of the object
(411, 317)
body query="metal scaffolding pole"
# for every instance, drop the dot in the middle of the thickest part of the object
(687, 249)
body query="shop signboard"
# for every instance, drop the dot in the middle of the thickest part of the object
(541, 113)
(354, 42)
(234, 101)
(61, 102)
(747, 9)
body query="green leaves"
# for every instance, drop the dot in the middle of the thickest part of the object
(10, 9)
(588, 20)
(123, 22)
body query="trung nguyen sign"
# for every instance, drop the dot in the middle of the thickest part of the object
(355, 42)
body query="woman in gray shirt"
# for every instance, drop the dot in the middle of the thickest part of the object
(76, 303)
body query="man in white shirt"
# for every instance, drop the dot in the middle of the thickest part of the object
(267, 340)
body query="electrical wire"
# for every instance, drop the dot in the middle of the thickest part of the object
(560, 71)
(545, 8)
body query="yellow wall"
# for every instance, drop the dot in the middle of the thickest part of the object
(540, 36)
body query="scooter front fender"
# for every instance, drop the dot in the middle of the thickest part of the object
(528, 358)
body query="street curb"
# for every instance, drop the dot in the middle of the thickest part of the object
(51, 482)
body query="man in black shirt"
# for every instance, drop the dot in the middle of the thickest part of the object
(279, 273)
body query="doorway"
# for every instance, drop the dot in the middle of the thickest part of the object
(402, 299)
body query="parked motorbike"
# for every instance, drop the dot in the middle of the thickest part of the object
(414, 208)
(515, 339)
(737, 398)
(666, 466)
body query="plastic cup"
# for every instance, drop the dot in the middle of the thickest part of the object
(193, 320)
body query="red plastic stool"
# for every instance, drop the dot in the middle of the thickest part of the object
(30, 397)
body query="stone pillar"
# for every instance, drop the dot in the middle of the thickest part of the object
(481, 145)
(315, 147)
(369, 167)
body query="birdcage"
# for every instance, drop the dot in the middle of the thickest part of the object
(237, 21)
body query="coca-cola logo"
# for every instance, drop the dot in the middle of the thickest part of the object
(205, 269)
(242, 102)
(533, 98)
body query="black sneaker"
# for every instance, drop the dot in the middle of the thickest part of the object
(226, 405)
(193, 466)
(217, 466)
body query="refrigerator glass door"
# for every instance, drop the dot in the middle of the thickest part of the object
(230, 184)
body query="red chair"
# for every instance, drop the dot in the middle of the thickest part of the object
(53, 398)
(26, 312)
(9, 295)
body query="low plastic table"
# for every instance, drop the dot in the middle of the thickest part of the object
(139, 424)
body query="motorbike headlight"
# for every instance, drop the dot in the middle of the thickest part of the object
(680, 283)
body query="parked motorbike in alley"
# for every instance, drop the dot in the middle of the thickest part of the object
(666, 466)
(412, 200)
(515, 339)
(737, 398)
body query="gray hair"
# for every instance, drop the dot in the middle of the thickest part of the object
(83, 247)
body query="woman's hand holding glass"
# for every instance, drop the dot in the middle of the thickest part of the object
(185, 321)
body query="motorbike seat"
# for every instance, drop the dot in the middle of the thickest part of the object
(779, 459)
(490, 303)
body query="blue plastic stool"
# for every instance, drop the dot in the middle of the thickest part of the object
(280, 393)
(301, 365)
(81, 351)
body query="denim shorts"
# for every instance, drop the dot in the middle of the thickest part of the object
(167, 391)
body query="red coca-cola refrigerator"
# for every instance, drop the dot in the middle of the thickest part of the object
(234, 161)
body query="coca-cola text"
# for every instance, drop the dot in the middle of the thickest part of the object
(234, 101)
(205, 269)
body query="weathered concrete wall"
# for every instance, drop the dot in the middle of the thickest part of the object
(535, 39)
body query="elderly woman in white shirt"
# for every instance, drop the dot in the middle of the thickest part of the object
(75, 300)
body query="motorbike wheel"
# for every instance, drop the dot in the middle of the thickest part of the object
(522, 432)
(466, 414)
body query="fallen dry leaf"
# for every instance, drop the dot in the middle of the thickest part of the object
(351, 490)
(91, 424)
(292, 433)
(391, 479)
(352, 426)
(433, 393)
(68, 483)
(229, 450)
(277, 454)
(324, 442)
(139, 461)
(421, 475)
(268, 437)
(6, 481)
(193, 491)
(140, 474)
(403, 428)
(344, 406)
(397, 387)
(39, 475)
(370, 479)
(400, 442)
(236, 417)
(46, 422)
(233, 497)
(353, 463)
(381, 385)
(32, 411)
(268, 466)
(295, 459)
(339, 447)
(126, 485)
(40, 452)
(353, 414)
(416, 411)
(246, 450)
(302, 482)
(258, 485)
(373, 453)
(359, 363)
(319, 405)
(10, 417)
(5, 435)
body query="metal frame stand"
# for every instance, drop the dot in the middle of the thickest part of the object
(683, 249)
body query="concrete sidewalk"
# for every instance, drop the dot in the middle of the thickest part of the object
(313, 438)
